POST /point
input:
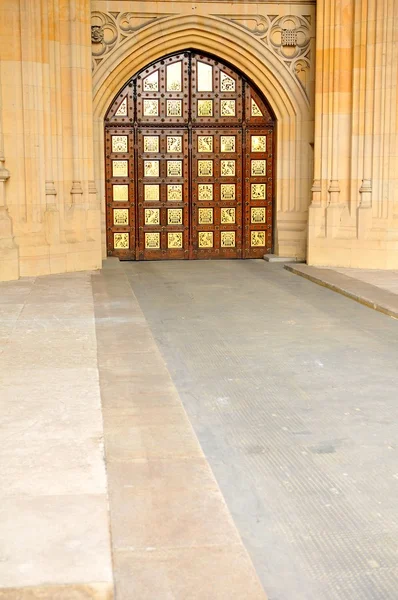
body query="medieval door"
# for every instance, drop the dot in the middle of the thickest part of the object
(189, 164)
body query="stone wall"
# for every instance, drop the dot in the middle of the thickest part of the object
(354, 212)
(49, 209)
(56, 86)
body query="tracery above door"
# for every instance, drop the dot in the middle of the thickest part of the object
(189, 163)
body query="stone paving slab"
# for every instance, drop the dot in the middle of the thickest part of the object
(173, 537)
(377, 297)
(54, 525)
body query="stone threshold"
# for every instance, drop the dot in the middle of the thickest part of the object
(84, 591)
(367, 294)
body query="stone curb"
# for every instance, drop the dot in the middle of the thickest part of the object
(365, 293)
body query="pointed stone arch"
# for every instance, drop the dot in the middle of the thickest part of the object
(261, 65)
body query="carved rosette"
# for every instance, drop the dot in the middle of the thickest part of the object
(110, 30)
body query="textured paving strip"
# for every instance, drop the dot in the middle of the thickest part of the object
(379, 297)
(172, 535)
(292, 391)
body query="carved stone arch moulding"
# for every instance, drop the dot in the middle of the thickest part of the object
(288, 36)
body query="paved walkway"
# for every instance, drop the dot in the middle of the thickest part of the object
(375, 288)
(290, 390)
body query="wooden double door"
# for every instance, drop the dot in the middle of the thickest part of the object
(189, 164)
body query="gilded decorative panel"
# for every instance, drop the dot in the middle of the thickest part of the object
(174, 192)
(152, 241)
(152, 193)
(227, 83)
(152, 216)
(174, 168)
(228, 143)
(259, 168)
(205, 77)
(174, 108)
(228, 108)
(120, 168)
(205, 108)
(174, 239)
(258, 215)
(119, 143)
(151, 143)
(120, 216)
(227, 191)
(227, 215)
(258, 191)
(227, 168)
(205, 216)
(256, 112)
(205, 143)
(151, 168)
(205, 239)
(174, 216)
(205, 191)
(120, 193)
(151, 108)
(259, 143)
(151, 83)
(205, 168)
(257, 238)
(173, 77)
(122, 109)
(121, 241)
(228, 239)
(174, 143)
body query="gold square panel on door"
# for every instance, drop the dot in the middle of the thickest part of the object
(228, 216)
(120, 143)
(174, 192)
(151, 192)
(205, 191)
(174, 143)
(205, 216)
(120, 192)
(151, 143)
(152, 216)
(205, 239)
(121, 241)
(228, 239)
(205, 143)
(120, 216)
(152, 241)
(174, 239)
(174, 216)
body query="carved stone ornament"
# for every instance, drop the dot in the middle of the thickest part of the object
(110, 30)
(97, 34)
(288, 37)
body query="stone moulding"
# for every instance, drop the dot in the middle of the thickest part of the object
(110, 30)
(288, 37)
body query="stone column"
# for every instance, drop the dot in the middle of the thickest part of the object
(9, 266)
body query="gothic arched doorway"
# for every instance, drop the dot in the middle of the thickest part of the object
(189, 163)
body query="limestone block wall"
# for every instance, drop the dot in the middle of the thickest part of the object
(353, 218)
(273, 43)
(49, 208)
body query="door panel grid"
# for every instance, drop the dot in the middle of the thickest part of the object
(189, 164)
